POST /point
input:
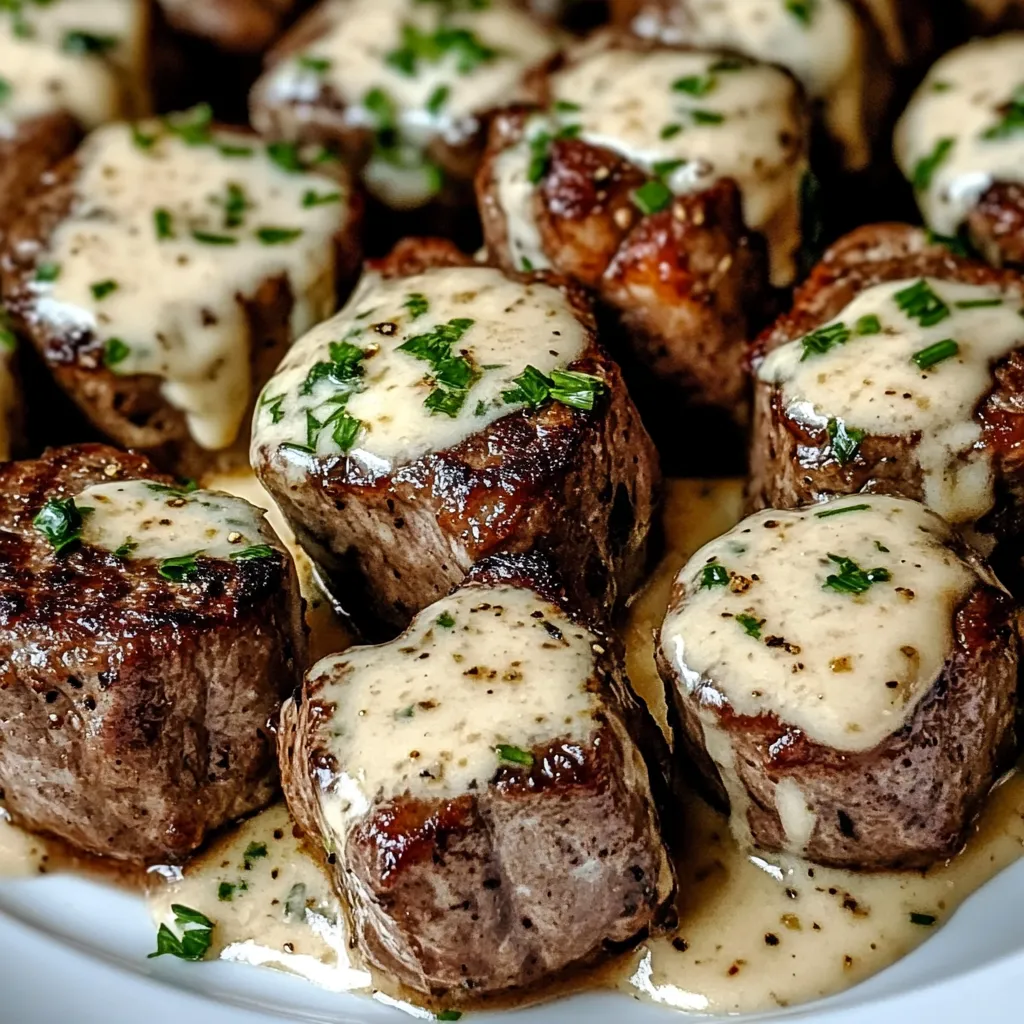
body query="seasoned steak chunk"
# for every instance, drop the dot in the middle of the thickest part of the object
(960, 146)
(647, 192)
(846, 677)
(147, 635)
(451, 411)
(164, 271)
(896, 372)
(404, 88)
(238, 26)
(489, 812)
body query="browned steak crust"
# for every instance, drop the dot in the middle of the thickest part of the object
(136, 714)
(239, 26)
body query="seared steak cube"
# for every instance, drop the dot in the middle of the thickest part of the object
(165, 269)
(448, 412)
(147, 635)
(403, 87)
(845, 676)
(479, 788)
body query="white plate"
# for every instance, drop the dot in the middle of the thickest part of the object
(74, 951)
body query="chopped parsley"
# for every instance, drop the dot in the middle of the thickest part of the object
(114, 351)
(179, 569)
(845, 441)
(312, 198)
(8, 339)
(802, 10)
(567, 107)
(925, 168)
(750, 625)
(226, 891)
(417, 304)
(445, 620)
(713, 575)
(851, 578)
(540, 155)
(977, 303)
(278, 236)
(670, 131)
(346, 429)
(433, 47)
(818, 342)
(569, 387)
(695, 85)
(47, 271)
(286, 156)
(273, 403)
(707, 116)
(193, 126)
(344, 366)
(83, 44)
(514, 755)
(195, 939)
(254, 851)
(60, 522)
(437, 99)
(163, 222)
(212, 238)
(868, 324)
(933, 354)
(318, 65)
(1013, 117)
(452, 376)
(449, 1015)
(101, 289)
(253, 552)
(236, 203)
(5, 90)
(125, 549)
(652, 197)
(919, 302)
(840, 511)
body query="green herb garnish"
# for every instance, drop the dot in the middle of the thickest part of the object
(851, 578)
(101, 289)
(417, 304)
(919, 302)
(802, 10)
(235, 205)
(5, 90)
(928, 357)
(706, 116)
(751, 626)
(164, 223)
(278, 236)
(114, 351)
(253, 552)
(193, 126)
(670, 131)
(569, 387)
(977, 303)
(432, 47)
(695, 85)
(179, 569)
(311, 198)
(286, 156)
(226, 892)
(818, 342)
(445, 620)
(83, 44)
(438, 98)
(254, 851)
(60, 522)
(125, 549)
(514, 755)
(845, 440)
(318, 65)
(840, 511)
(925, 168)
(1013, 118)
(449, 1015)
(713, 575)
(47, 271)
(652, 197)
(196, 935)
(212, 238)
(869, 324)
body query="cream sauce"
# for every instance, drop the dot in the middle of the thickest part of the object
(943, 142)
(826, 51)
(847, 669)
(142, 519)
(516, 195)
(871, 383)
(428, 713)
(505, 325)
(162, 246)
(363, 52)
(43, 67)
(744, 123)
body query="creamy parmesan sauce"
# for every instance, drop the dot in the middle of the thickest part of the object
(425, 714)
(143, 519)
(745, 123)
(947, 124)
(847, 669)
(505, 326)
(364, 50)
(825, 51)
(871, 383)
(163, 243)
(43, 68)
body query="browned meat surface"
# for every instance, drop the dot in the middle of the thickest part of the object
(136, 714)
(579, 486)
(995, 225)
(540, 866)
(238, 26)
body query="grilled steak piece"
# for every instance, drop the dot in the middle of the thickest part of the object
(489, 812)
(163, 293)
(238, 26)
(449, 412)
(898, 371)
(846, 679)
(958, 144)
(147, 636)
(403, 88)
(638, 189)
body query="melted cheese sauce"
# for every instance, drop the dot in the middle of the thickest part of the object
(164, 244)
(825, 51)
(871, 383)
(364, 52)
(951, 126)
(847, 669)
(46, 64)
(142, 519)
(426, 714)
(746, 124)
(503, 326)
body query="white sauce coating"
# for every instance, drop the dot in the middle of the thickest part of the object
(871, 383)
(825, 50)
(516, 196)
(43, 68)
(967, 95)
(426, 713)
(144, 519)
(362, 51)
(511, 325)
(175, 307)
(746, 123)
(847, 669)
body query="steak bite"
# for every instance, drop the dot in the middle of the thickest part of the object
(448, 412)
(404, 88)
(960, 145)
(478, 784)
(147, 635)
(897, 372)
(164, 271)
(237, 26)
(65, 67)
(643, 177)
(845, 676)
